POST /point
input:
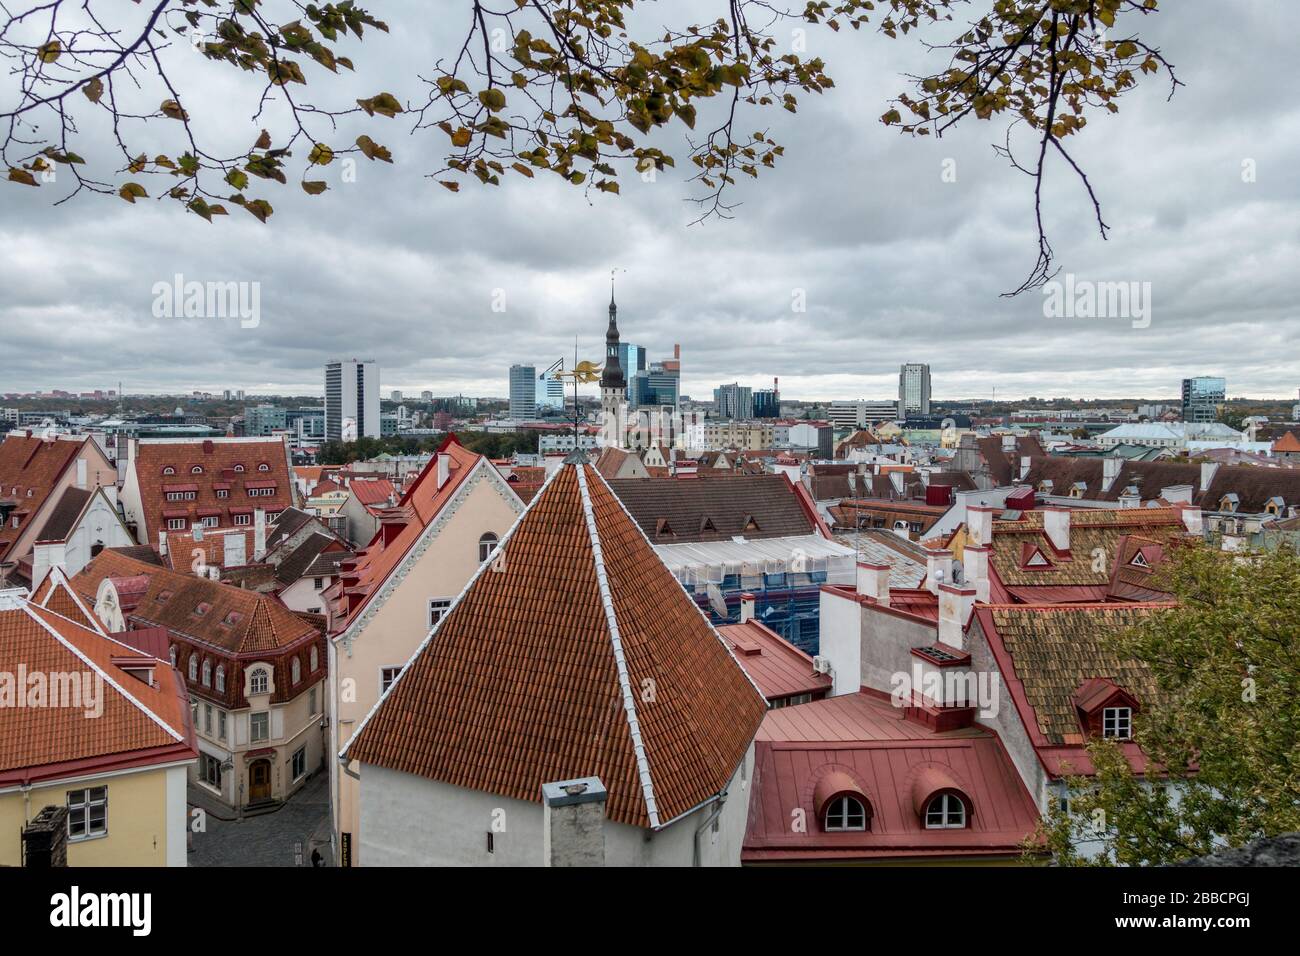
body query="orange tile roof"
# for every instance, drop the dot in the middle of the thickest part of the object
(29, 469)
(420, 504)
(172, 600)
(219, 461)
(372, 492)
(138, 724)
(778, 667)
(1287, 443)
(576, 654)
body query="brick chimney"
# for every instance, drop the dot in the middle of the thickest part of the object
(873, 581)
(938, 570)
(975, 565)
(259, 535)
(979, 524)
(1110, 469)
(955, 605)
(573, 826)
(1056, 522)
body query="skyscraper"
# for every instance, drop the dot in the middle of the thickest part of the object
(734, 401)
(914, 390)
(352, 395)
(1202, 397)
(523, 392)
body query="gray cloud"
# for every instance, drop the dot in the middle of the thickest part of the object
(896, 264)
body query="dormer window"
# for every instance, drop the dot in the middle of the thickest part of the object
(202, 609)
(169, 470)
(239, 469)
(1139, 561)
(1077, 489)
(845, 814)
(1045, 486)
(947, 811)
(196, 470)
(263, 467)
(1274, 505)
(258, 681)
(194, 667)
(1228, 502)
(207, 673)
(1117, 723)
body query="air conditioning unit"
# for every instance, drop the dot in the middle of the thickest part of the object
(822, 665)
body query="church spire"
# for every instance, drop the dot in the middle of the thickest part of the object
(612, 376)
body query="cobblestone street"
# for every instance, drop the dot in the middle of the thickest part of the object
(284, 837)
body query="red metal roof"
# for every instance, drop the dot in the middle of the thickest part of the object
(857, 742)
(778, 668)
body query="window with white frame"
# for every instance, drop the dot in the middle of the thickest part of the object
(207, 719)
(207, 673)
(486, 545)
(258, 681)
(194, 667)
(1117, 723)
(314, 659)
(946, 811)
(221, 678)
(87, 813)
(386, 677)
(311, 702)
(173, 524)
(295, 670)
(845, 813)
(210, 770)
(221, 725)
(243, 519)
(299, 764)
(259, 727)
(438, 609)
(211, 521)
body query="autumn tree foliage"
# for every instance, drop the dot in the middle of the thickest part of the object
(537, 87)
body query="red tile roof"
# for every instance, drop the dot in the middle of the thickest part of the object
(29, 470)
(373, 492)
(540, 671)
(231, 618)
(861, 745)
(778, 667)
(138, 725)
(1287, 443)
(220, 461)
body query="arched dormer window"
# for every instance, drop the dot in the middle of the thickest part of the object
(172, 652)
(194, 667)
(946, 811)
(314, 659)
(207, 673)
(840, 803)
(845, 814)
(486, 545)
(295, 670)
(221, 678)
(263, 467)
(169, 470)
(239, 469)
(258, 681)
(196, 470)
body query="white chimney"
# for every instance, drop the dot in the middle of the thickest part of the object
(1056, 522)
(955, 605)
(746, 607)
(444, 468)
(1177, 494)
(1025, 462)
(1110, 468)
(259, 535)
(197, 531)
(1193, 520)
(1008, 442)
(896, 479)
(1208, 468)
(938, 570)
(873, 581)
(81, 473)
(162, 543)
(573, 826)
(975, 563)
(979, 524)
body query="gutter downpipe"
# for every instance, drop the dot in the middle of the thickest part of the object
(720, 800)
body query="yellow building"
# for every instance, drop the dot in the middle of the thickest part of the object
(93, 725)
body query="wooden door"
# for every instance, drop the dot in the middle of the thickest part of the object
(259, 780)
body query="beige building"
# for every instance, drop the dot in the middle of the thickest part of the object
(387, 600)
(741, 436)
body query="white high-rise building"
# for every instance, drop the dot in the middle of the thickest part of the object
(352, 396)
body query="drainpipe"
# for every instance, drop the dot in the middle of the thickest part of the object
(719, 801)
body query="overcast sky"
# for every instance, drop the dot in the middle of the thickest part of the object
(896, 264)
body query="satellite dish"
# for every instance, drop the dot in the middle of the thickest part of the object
(716, 600)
